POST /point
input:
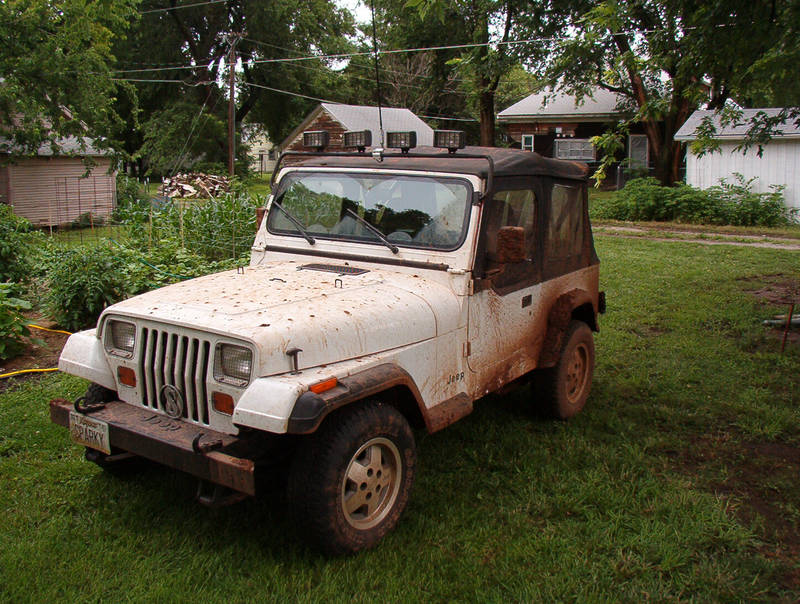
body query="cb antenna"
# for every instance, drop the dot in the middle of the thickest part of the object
(377, 71)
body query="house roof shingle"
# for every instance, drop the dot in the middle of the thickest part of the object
(548, 104)
(735, 131)
(69, 145)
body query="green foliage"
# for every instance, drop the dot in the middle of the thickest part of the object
(15, 245)
(729, 203)
(742, 206)
(56, 63)
(215, 229)
(13, 326)
(82, 283)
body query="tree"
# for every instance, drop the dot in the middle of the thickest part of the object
(56, 62)
(491, 25)
(165, 42)
(667, 58)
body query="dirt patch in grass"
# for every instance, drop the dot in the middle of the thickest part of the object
(759, 480)
(781, 291)
(35, 355)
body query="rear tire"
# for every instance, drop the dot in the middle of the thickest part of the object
(350, 481)
(566, 386)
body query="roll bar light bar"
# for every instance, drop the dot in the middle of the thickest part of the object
(451, 141)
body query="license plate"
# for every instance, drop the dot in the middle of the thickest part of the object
(89, 432)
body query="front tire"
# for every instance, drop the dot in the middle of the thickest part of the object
(566, 386)
(351, 480)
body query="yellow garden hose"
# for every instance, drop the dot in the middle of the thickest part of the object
(21, 371)
(5, 375)
(69, 333)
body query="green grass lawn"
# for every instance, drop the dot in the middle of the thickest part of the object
(647, 495)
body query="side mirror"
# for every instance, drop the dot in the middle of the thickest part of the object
(511, 245)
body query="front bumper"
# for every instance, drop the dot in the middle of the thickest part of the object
(170, 442)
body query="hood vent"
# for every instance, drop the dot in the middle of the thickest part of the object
(339, 269)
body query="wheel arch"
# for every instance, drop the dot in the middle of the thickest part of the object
(575, 304)
(388, 382)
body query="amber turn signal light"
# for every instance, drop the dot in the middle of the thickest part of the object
(223, 402)
(127, 376)
(324, 386)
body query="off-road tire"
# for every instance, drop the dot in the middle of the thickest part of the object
(337, 468)
(566, 386)
(96, 394)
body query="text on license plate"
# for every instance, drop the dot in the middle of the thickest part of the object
(90, 432)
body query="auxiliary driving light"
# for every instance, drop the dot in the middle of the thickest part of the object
(316, 138)
(452, 140)
(120, 338)
(233, 364)
(401, 140)
(360, 139)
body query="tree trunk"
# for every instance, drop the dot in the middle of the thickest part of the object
(668, 162)
(486, 100)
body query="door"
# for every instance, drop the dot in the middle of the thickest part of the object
(503, 344)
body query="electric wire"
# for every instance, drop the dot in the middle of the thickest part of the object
(179, 7)
(345, 55)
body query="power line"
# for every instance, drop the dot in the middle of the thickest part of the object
(290, 93)
(304, 96)
(171, 8)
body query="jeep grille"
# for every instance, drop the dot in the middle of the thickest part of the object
(178, 360)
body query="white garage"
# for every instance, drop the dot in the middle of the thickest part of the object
(779, 163)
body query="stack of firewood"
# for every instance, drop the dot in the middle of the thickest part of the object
(193, 185)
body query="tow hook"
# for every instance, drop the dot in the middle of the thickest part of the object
(207, 447)
(83, 408)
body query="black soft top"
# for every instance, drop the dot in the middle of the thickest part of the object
(507, 162)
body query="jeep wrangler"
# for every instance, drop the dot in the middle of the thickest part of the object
(386, 290)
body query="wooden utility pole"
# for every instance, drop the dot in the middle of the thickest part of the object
(231, 103)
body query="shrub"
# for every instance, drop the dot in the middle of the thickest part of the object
(742, 206)
(13, 326)
(82, 283)
(735, 204)
(16, 240)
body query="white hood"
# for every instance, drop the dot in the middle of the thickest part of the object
(331, 317)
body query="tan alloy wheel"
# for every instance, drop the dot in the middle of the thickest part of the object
(371, 483)
(577, 373)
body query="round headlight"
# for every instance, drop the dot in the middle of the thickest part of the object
(233, 364)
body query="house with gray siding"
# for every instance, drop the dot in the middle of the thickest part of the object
(55, 188)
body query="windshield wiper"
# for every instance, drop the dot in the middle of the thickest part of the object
(296, 222)
(375, 230)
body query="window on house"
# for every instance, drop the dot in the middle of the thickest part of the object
(638, 152)
(575, 148)
(527, 142)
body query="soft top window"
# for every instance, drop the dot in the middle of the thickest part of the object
(411, 211)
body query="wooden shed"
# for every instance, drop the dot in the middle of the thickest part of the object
(779, 164)
(53, 190)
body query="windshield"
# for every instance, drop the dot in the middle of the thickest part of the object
(411, 211)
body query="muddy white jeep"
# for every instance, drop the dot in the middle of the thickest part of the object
(386, 290)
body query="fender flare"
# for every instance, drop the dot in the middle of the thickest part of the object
(310, 408)
(557, 322)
